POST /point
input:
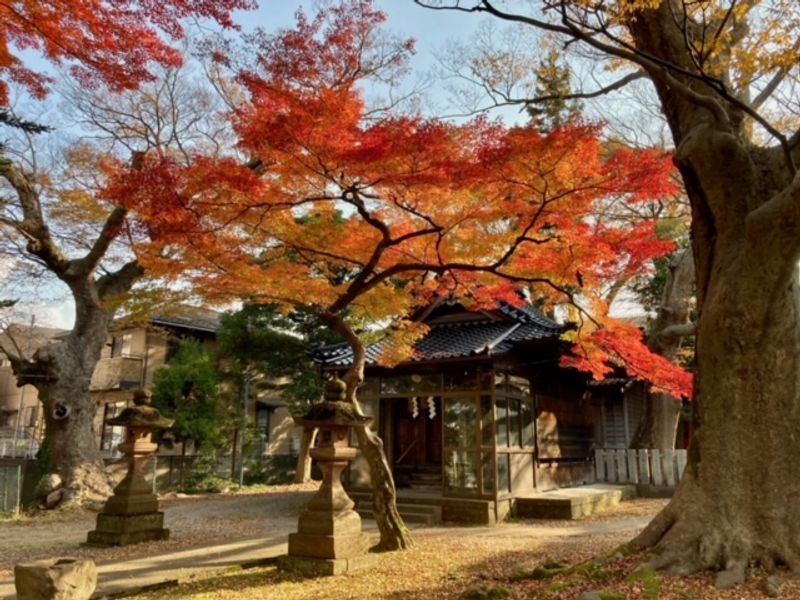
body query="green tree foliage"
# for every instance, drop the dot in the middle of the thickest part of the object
(260, 340)
(553, 89)
(188, 391)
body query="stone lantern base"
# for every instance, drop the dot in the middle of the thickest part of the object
(328, 543)
(122, 530)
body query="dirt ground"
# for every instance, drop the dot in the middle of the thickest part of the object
(193, 521)
(518, 559)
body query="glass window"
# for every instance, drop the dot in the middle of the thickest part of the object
(518, 386)
(526, 416)
(111, 436)
(503, 480)
(426, 383)
(502, 424)
(500, 382)
(488, 473)
(31, 416)
(460, 422)
(461, 379)
(513, 423)
(121, 345)
(461, 470)
(392, 386)
(487, 421)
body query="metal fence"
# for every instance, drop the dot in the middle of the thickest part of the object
(10, 489)
(643, 467)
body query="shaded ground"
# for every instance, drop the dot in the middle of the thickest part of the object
(193, 522)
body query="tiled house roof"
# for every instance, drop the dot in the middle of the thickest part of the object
(461, 334)
(189, 317)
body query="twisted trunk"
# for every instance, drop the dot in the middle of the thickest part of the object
(736, 502)
(394, 533)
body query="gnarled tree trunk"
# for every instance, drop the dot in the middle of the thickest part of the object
(70, 445)
(62, 371)
(735, 504)
(394, 533)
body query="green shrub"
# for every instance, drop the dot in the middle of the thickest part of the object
(202, 478)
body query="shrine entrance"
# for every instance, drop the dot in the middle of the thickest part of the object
(416, 440)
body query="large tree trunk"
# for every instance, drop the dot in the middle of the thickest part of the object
(736, 501)
(62, 373)
(735, 505)
(659, 423)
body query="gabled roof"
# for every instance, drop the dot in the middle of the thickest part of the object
(458, 333)
(188, 317)
(29, 338)
(175, 316)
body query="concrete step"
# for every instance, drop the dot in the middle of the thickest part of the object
(573, 503)
(412, 513)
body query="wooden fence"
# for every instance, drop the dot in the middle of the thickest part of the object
(645, 467)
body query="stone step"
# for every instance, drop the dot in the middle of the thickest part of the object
(408, 517)
(427, 514)
(573, 503)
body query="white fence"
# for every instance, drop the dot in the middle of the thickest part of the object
(645, 467)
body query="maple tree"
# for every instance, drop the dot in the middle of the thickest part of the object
(354, 214)
(724, 73)
(55, 220)
(112, 44)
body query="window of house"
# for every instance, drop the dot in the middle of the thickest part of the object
(121, 345)
(31, 416)
(111, 436)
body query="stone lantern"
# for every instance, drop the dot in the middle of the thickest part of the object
(329, 540)
(131, 515)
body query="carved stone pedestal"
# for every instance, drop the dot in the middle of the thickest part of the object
(131, 515)
(329, 540)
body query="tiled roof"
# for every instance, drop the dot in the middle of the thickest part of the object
(28, 338)
(188, 317)
(495, 334)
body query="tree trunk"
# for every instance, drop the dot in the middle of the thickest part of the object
(62, 374)
(394, 533)
(736, 503)
(302, 473)
(659, 423)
